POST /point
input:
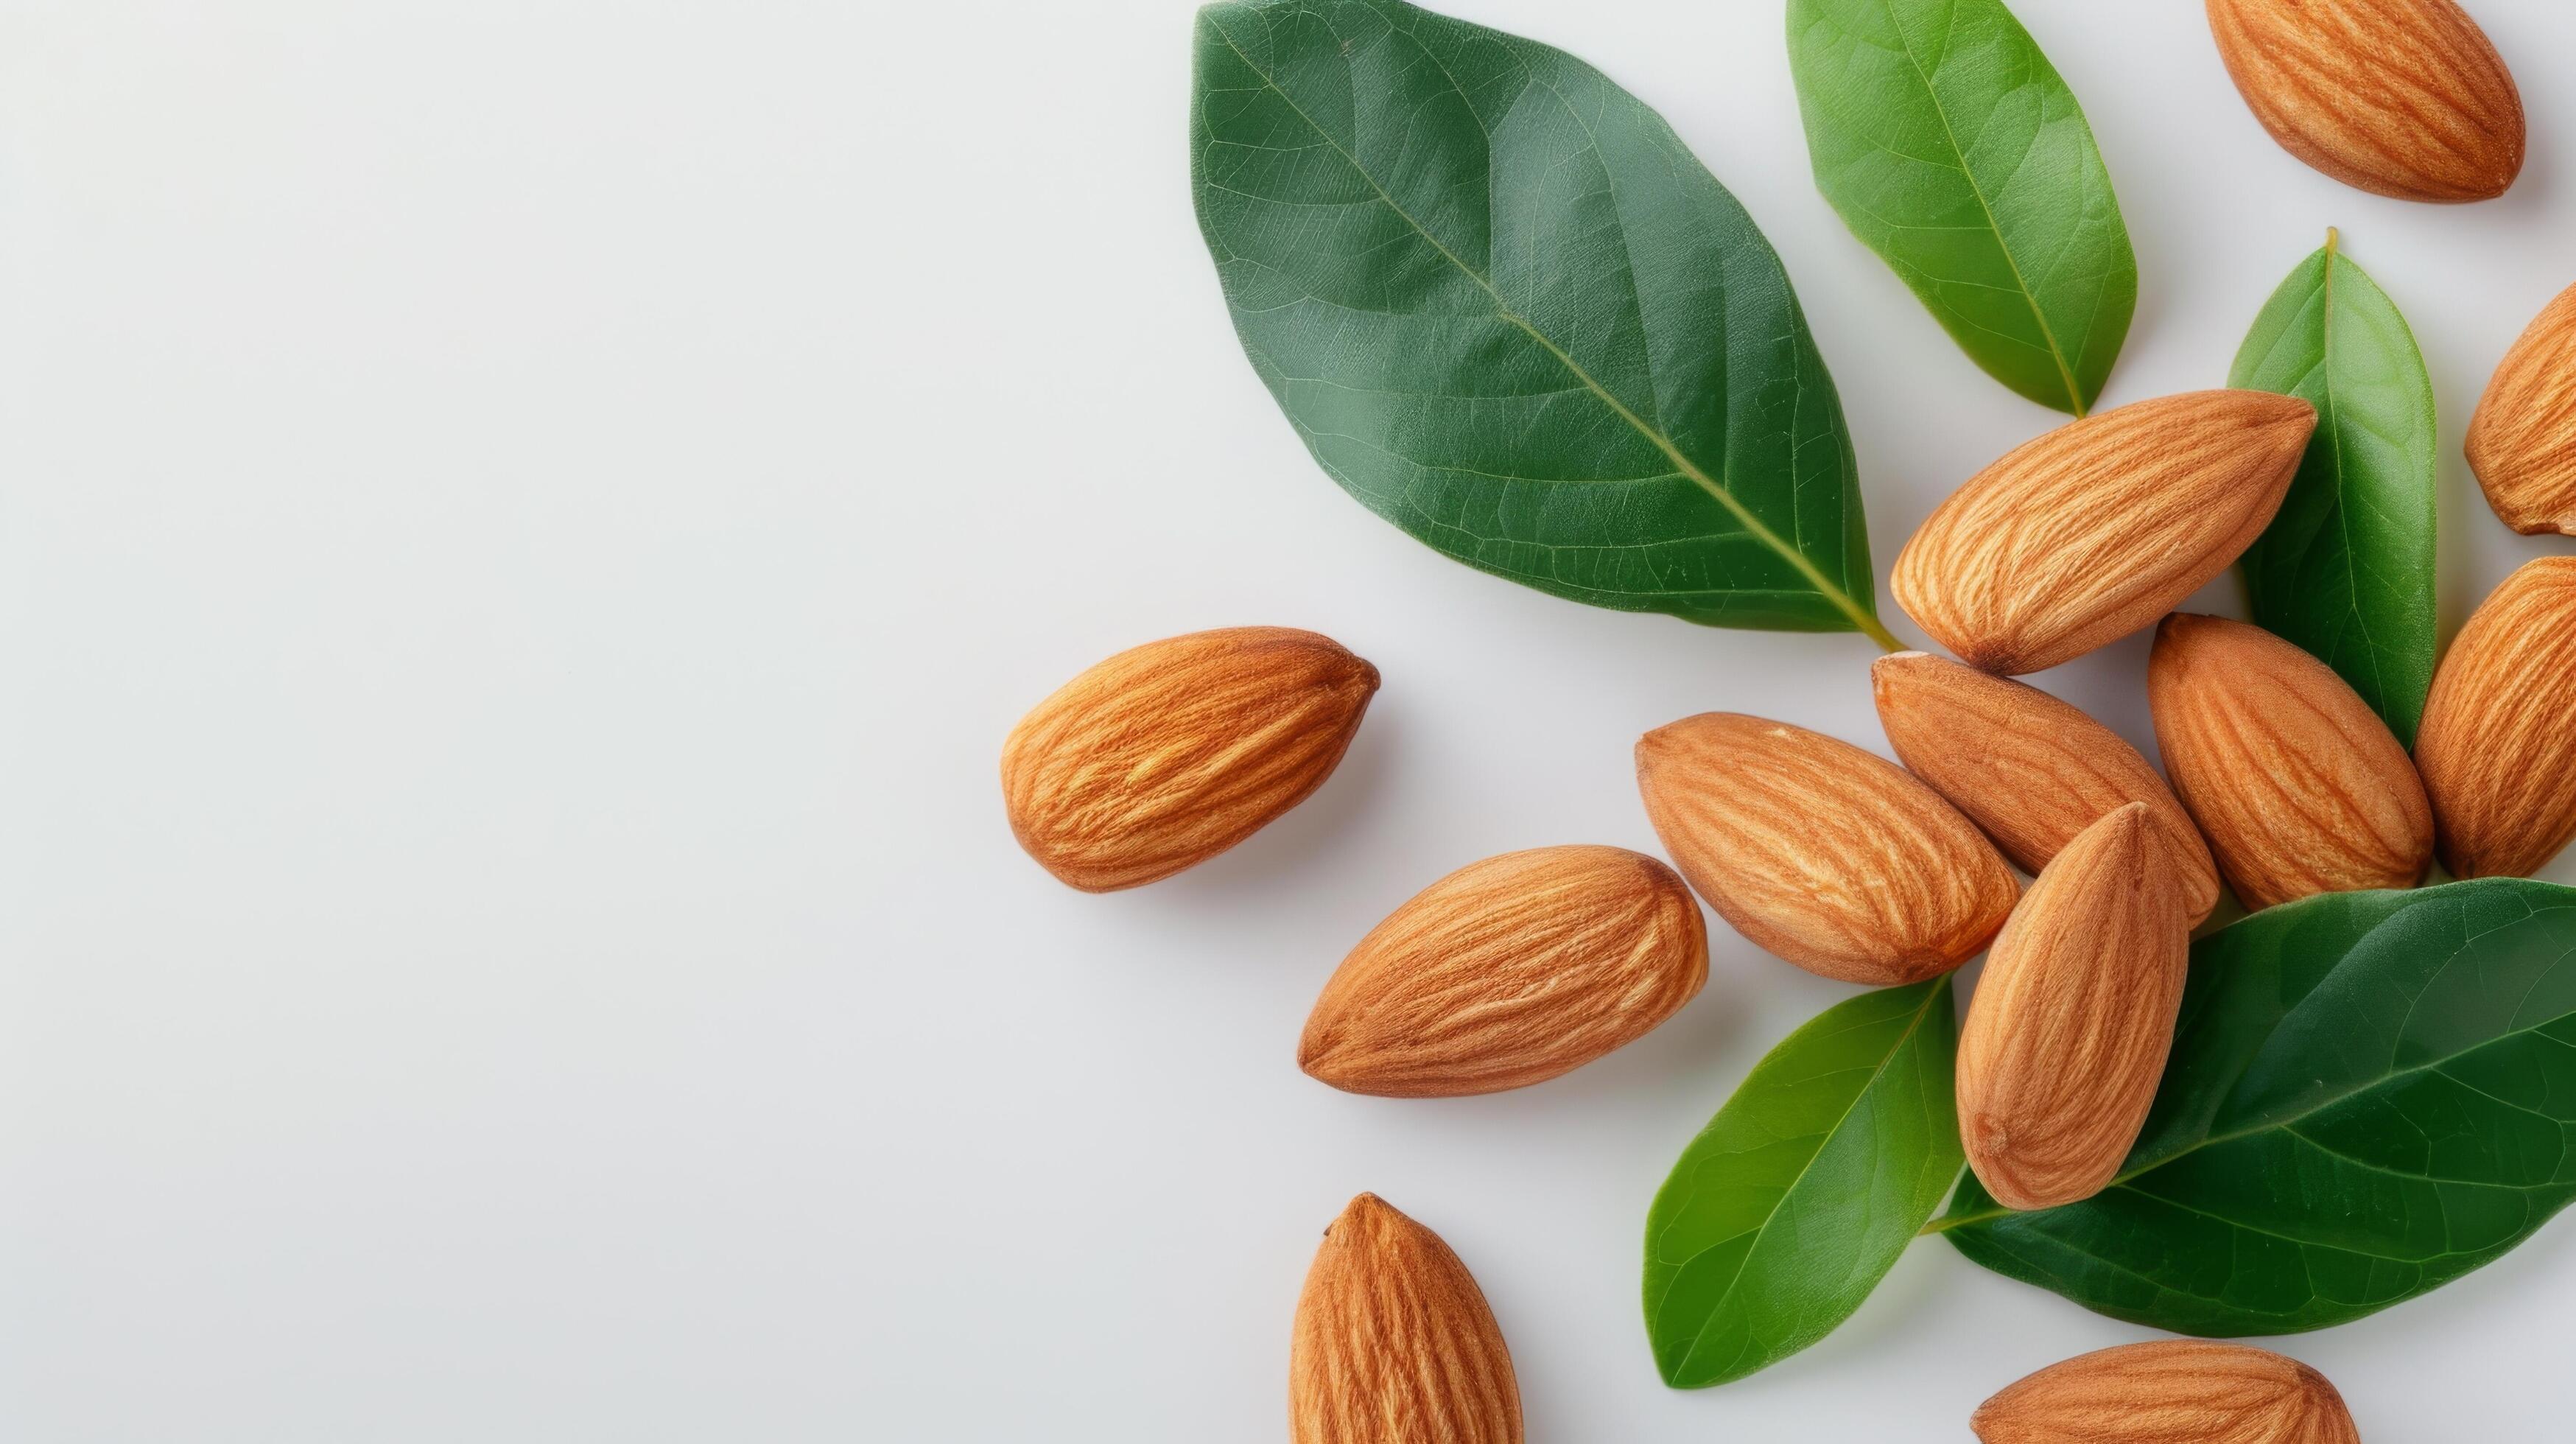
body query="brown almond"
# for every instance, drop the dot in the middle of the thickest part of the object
(2522, 441)
(2068, 1030)
(2170, 1391)
(1394, 1343)
(1824, 854)
(2298, 785)
(1168, 754)
(2094, 530)
(2031, 770)
(2403, 98)
(2498, 744)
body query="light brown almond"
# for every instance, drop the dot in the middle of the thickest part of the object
(2498, 744)
(1394, 1343)
(1509, 972)
(2031, 770)
(2298, 785)
(2094, 530)
(2171, 1391)
(2068, 1030)
(2522, 441)
(1824, 854)
(1168, 754)
(2403, 98)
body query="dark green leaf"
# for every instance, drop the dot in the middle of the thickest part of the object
(1951, 148)
(2370, 1095)
(1799, 1195)
(1509, 312)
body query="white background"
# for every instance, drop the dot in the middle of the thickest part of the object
(523, 525)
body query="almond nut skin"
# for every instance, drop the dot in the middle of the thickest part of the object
(2094, 530)
(2522, 441)
(2300, 787)
(1509, 972)
(2031, 770)
(2497, 747)
(1394, 1343)
(2067, 1032)
(2403, 98)
(1167, 754)
(2171, 1391)
(1824, 854)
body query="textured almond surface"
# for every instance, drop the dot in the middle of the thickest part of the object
(2298, 785)
(2498, 745)
(1168, 754)
(2031, 770)
(2094, 530)
(2172, 1391)
(2068, 1030)
(1824, 854)
(2522, 442)
(1394, 1344)
(2402, 98)
(1508, 972)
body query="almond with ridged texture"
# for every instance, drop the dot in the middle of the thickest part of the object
(2068, 1030)
(2094, 530)
(2298, 785)
(1509, 972)
(2403, 98)
(2031, 770)
(1824, 854)
(1394, 1343)
(2171, 1391)
(2498, 745)
(1169, 753)
(2522, 441)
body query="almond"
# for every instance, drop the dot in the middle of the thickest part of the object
(2300, 787)
(1394, 1344)
(2068, 1030)
(2094, 530)
(1168, 754)
(1832, 858)
(2401, 98)
(2498, 744)
(1508, 972)
(2172, 1391)
(2522, 441)
(2031, 770)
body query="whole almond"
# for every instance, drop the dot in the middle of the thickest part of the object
(1817, 851)
(1508, 972)
(1394, 1343)
(2300, 787)
(1169, 753)
(2401, 98)
(2171, 1391)
(2031, 770)
(2094, 530)
(2498, 744)
(2522, 441)
(2068, 1030)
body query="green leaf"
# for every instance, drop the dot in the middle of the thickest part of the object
(2346, 569)
(1509, 312)
(2370, 1095)
(1951, 148)
(1799, 1195)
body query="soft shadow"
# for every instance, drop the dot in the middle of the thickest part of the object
(1298, 850)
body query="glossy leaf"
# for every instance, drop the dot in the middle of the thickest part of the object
(1951, 148)
(1799, 1195)
(2346, 568)
(2370, 1094)
(1509, 312)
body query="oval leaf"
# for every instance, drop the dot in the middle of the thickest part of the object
(2370, 1095)
(1799, 1195)
(1509, 312)
(1951, 147)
